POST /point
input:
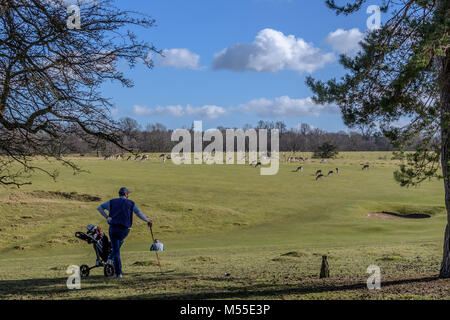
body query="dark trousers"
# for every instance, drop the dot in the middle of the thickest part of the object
(117, 235)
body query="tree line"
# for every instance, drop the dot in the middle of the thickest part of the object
(157, 138)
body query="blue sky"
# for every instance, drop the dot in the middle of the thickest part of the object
(234, 62)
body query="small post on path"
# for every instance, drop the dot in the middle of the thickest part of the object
(324, 270)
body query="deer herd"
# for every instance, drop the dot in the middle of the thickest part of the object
(319, 174)
(121, 157)
(209, 159)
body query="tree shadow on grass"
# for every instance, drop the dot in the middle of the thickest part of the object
(56, 287)
(276, 291)
(41, 287)
(49, 287)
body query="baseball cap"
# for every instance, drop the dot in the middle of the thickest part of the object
(124, 190)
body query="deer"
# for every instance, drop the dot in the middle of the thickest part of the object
(320, 176)
(337, 170)
(299, 169)
(144, 158)
(258, 164)
(129, 157)
(365, 167)
(318, 172)
(330, 173)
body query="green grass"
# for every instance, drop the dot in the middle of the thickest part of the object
(268, 232)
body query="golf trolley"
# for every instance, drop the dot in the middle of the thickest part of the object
(102, 247)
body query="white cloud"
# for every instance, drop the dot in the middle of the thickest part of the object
(179, 59)
(272, 51)
(209, 111)
(345, 41)
(204, 112)
(284, 107)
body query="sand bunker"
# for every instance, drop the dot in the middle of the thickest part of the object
(396, 216)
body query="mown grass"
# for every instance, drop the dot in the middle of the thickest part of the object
(267, 232)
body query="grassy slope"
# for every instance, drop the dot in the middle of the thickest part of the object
(216, 219)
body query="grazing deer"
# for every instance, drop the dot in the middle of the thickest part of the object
(144, 158)
(320, 176)
(137, 157)
(129, 157)
(318, 172)
(330, 173)
(258, 164)
(365, 167)
(299, 169)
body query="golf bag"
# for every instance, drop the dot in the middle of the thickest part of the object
(157, 246)
(102, 247)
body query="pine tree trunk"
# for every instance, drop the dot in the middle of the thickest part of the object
(445, 267)
(445, 134)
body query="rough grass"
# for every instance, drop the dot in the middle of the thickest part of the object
(229, 232)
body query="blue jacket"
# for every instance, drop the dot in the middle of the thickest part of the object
(123, 215)
(121, 212)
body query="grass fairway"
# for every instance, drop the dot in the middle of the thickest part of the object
(268, 233)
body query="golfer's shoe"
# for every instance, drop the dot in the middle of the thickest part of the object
(119, 276)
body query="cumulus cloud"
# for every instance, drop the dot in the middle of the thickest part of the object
(179, 59)
(345, 41)
(204, 112)
(272, 51)
(284, 107)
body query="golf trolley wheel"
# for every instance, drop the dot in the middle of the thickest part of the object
(84, 271)
(108, 270)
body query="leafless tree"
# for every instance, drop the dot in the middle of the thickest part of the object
(50, 77)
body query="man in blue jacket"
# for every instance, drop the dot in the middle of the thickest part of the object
(120, 220)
